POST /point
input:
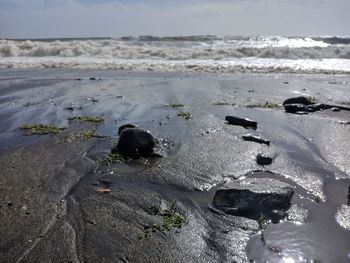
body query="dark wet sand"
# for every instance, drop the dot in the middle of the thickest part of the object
(50, 210)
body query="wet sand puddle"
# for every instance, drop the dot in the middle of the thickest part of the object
(313, 235)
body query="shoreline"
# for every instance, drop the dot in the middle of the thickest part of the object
(52, 185)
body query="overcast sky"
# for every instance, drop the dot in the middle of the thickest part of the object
(113, 18)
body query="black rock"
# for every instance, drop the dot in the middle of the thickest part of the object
(349, 196)
(263, 159)
(318, 107)
(298, 100)
(254, 196)
(69, 108)
(299, 107)
(344, 122)
(92, 78)
(241, 121)
(293, 108)
(135, 142)
(254, 138)
(72, 107)
(126, 126)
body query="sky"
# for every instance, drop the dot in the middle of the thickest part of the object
(115, 18)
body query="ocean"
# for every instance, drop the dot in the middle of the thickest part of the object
(323, 55)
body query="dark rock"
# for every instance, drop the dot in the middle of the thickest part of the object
(341, 107)
(92, 78)
(135, 142)
(294, 108)
(263, 159)
(241, 121)
(298, 100)
(344, 122)
(318, 107)
(254, 138)
(298, 107)
(254, 197)
(349, 196)
(73, 107)
(126, 126)
(69, 108)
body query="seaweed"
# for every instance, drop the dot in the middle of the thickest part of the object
(171, 219)
(84, 135)
(113, 158)
(266, 105)
(175, 105)
(185, 115)
(41, 129)
(222, 103)
(93, 119)
(88, 134)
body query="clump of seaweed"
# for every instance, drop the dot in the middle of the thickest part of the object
(222, 103)
(88, 134)
(40, 129)
(171, 219)
(113, 158)
(266, 105)
(185, 115)
(93, 119)
(84, 135)
(174, 105)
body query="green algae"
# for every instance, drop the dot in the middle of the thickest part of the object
(175, 105)
(171, 219)
(266, 105)
(185, 115)
(223, 103)
(93, 119)
(41, 129)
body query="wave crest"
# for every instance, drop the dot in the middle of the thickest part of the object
(217, 50)
(211, 66)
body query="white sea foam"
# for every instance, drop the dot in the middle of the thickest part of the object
(209, 54)
(230, 66)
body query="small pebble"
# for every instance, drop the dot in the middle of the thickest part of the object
(263, 160)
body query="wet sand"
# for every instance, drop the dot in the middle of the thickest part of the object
(48, 185)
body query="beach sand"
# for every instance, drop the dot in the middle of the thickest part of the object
(51, 205)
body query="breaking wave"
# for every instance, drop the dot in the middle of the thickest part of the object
(330, 54)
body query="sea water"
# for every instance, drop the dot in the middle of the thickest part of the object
(183, 54)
